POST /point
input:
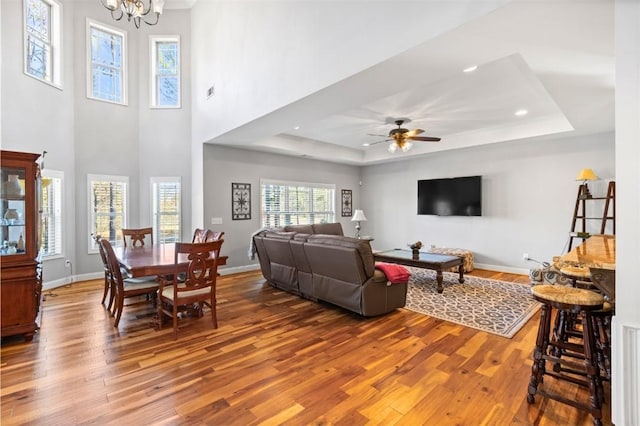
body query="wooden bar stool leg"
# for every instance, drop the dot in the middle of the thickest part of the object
(542, 342)
(593, 373)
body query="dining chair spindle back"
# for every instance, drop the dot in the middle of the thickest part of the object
(137, 236)
(198, 288)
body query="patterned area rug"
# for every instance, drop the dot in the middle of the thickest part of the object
(493, 306)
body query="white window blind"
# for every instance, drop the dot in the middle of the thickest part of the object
(51, 205)
(166, 209)
(295, 203)
(108, 199)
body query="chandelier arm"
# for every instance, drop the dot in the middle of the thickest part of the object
(154, 22)
(146, 12)
(119, 17)
(136, 21)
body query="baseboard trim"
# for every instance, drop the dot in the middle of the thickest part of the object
(502, 268)
(98, 275)
(248, 268)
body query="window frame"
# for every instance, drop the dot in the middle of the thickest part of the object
(154, 40)
(329, 186)
(124, 77)
(58, 216)
(158, 180)
(92, 246)
(54, 43)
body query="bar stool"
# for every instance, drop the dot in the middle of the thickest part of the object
(549, 347)
(579, 276)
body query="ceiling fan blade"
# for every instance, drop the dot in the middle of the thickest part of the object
(381, 136)
(424, 138)
(413, 133)
(377, 142)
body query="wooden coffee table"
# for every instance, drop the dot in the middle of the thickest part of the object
(433, 261)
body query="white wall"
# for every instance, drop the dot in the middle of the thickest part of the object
(625, 395)
(223, 165)
(38, 117)
(528, 190)
(262, 56)
(84, 136)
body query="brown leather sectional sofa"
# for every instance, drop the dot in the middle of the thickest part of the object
(319, 263)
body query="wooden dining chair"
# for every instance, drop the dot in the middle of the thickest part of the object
(137, 236)
(199, 287)
(213, 235)
(124, 288)
(199, 235)
(107, 278)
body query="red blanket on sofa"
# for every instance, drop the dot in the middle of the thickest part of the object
(394, 273)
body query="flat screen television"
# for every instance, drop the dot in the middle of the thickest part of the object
(460, 196)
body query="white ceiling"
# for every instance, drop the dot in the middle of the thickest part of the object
(554, 58)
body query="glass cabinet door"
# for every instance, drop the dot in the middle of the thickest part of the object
(12, 211)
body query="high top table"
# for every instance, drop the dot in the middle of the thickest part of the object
(433, 261)
(597, 251)
(157, 259)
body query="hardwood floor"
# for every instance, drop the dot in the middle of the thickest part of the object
(276, 359)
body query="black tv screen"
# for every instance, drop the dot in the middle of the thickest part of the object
(461, 196)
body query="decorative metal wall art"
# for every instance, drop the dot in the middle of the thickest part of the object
(241, 201)
(347, 203)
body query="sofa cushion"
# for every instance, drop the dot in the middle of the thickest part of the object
(362, 246)
(280, 235)
(328, 228)
(301, 237)
(305, 229)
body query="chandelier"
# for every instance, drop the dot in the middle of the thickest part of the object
(134, 9)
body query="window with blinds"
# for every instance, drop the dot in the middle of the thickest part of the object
(295, 203)
(108, 199)
(166, 194)
(51, 205)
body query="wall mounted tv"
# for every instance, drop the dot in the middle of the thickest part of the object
(460, 196)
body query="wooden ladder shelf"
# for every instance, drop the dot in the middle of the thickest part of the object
(579, 222)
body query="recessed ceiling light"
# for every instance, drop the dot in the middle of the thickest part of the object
(296, 128)
(470, 69)
(521, 112)
(366, 144)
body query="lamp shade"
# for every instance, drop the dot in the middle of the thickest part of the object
(358, 216)
(587, 174)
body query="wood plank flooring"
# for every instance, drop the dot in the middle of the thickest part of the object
(276, 359)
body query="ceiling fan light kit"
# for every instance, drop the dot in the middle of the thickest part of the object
(401, 138)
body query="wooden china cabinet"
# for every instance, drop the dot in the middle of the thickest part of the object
(21, 279)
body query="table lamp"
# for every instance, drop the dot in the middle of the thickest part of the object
(358, 216)
(584, 176)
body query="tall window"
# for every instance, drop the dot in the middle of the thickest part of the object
(165, 193)
(106, 63)
(165, 71)
(295, 203)
(108, 199)
(51, 205)
(42, 45)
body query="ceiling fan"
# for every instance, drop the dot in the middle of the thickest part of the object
(401, 138)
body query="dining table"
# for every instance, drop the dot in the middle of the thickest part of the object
(154, 259)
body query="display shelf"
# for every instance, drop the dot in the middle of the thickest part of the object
(21, 274)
